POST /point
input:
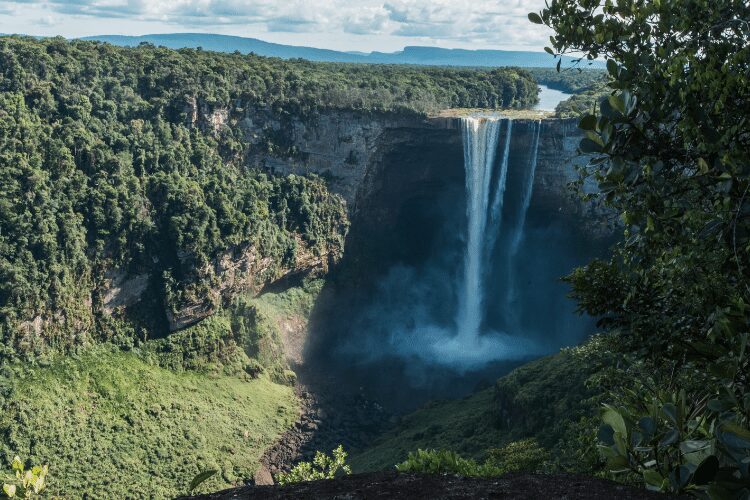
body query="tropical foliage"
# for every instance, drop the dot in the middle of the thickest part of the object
(25, 483)
(669, 148)
(321, 467)
(524, 455)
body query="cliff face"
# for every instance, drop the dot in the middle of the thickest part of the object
(353, 149)
(388, 167)
(341, 146)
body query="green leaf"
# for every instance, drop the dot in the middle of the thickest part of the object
(654, 480)
(613, 418)
(612, 67)
(200, 478)
(589, 146)
(588, 122)
(549, 51)
(707, 470)
(535, 18)
(618, 464)
(17, 464)
(670, 438)
(670, 411)
(734, 436)
(617, 103)
(719, 405)
(702, 166)
(606, 435)
(648, 425)
(9, 490)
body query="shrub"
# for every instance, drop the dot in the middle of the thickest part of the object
(524, 455)
(445, 462)
(25, 483)
(322, 467)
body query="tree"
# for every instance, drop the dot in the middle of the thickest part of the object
(670, 149)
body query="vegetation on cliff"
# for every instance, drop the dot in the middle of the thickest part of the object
(546, 405)
(121, 163)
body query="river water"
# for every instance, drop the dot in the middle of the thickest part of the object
(550, 98)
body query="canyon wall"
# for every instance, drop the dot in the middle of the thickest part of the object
(390, 168)
(351, 150)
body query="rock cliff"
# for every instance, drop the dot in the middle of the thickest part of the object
(388, 167)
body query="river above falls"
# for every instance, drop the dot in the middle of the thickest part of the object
(550, 98)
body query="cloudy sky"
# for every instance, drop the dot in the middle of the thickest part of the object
(362, 25)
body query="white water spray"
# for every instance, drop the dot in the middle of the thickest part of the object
(509, 299)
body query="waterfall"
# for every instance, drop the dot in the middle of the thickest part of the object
(509, 305)
(526, 200)
(480, 144)
(484, 214)
(497, 200)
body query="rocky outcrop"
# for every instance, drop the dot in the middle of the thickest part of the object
(121, 291)
(338, 145)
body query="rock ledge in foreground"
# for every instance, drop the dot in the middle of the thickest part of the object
(383, 485)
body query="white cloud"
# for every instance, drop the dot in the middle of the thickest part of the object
(485, 23)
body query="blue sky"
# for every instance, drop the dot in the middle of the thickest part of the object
(362, 25)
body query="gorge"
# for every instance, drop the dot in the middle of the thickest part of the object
(422, 305)
(187, 236)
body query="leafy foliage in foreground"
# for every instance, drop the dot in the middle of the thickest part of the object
(670, 149)
(525, 455)
(25, 483)
(321, 467)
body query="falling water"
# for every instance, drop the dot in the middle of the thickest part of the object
(484, 213)
(526, 200)
(510, 296)
(497, 201)
(480, 144)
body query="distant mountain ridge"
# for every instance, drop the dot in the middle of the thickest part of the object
(430, 56)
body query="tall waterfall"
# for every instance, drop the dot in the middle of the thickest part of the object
(484, 216)
(480, 144)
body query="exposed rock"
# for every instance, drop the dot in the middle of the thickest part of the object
(338, 144)
(244, 270)
(262, 477)
(327, 419)
(121, 290)
(382, 485)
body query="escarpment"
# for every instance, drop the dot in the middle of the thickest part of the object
(386, 166)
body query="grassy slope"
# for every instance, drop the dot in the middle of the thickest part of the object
(111, 425)
(544, 399)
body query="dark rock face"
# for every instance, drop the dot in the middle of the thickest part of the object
(421, 486)
(354, 150)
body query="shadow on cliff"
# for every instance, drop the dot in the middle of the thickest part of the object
(385, 322)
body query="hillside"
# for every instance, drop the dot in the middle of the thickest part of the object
(110, 423)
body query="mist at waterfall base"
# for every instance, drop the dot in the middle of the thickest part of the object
(487, 296)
